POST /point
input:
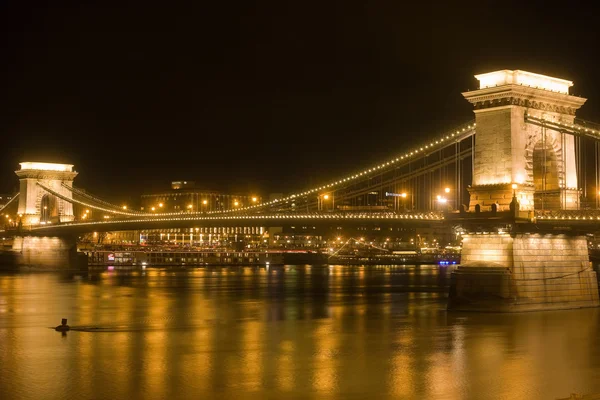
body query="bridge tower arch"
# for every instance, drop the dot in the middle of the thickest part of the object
(35, 203)
(509, 151)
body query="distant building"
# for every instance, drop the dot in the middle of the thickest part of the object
(177, 185)
(184, 196)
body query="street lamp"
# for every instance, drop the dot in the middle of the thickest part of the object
(514, 188)
(320, 199)
(325, 197)
(403, 196)
(441, 200)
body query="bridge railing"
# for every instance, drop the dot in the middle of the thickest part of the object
(567, 214)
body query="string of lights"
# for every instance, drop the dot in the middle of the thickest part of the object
(430, 216)
(450, 138)
(94, 198)
(291, 217)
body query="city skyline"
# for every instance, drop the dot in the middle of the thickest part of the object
(258, 99)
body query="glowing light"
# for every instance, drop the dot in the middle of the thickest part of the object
(204, 202)
(326, 196)
(447, 190)
(518, 77)
(254, 199)
(160, 204)
(124, 207)
(46, 166)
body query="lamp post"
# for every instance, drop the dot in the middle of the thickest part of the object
(403, 196)
(321, 199)
(447, 191)
(441, 200)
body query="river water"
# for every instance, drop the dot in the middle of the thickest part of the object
(293, 332)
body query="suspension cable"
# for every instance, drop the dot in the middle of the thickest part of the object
(9, 202)
(82, 193)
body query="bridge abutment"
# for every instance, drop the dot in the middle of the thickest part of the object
(523, 272)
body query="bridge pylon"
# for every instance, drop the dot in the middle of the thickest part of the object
(508, 262)
(36, 205)
(512, 157)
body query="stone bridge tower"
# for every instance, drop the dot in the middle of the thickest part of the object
(513, 157)
(36, 205)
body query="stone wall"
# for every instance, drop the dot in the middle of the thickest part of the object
(523, 272)
(46, 253)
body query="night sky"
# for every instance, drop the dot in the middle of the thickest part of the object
(261, 96)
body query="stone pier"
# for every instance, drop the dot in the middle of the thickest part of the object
(523, 272)
(43, 253)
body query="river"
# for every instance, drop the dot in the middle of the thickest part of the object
(292, 332)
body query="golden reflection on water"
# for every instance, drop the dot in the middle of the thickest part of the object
(299, 331)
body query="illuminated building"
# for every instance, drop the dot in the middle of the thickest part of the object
(184, 196)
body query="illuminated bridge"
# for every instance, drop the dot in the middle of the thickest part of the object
(521, 182)
(525, 142)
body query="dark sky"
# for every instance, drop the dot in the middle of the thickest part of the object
(261, 96)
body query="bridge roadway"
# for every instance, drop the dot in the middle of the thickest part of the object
(264, 220)
(576, 221)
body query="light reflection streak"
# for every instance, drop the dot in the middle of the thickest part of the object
(324, 369)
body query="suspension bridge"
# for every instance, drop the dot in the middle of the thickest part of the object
(524, 167)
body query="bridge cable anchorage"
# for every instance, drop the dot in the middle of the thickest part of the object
(10, 201)
(96, 199)
(458, 134)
